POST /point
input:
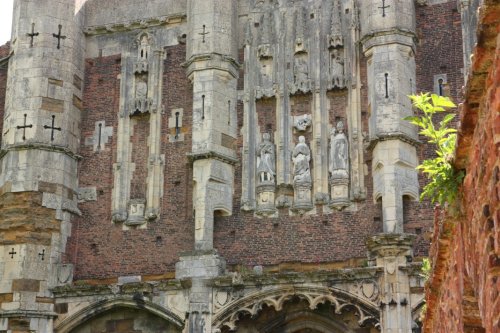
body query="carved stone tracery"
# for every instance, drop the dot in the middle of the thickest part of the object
(253, 303)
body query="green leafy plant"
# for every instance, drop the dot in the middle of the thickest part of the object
(444, 178)
(426, 269)
(425, 273)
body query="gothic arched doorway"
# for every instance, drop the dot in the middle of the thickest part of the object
(298, 309)
(297, 317)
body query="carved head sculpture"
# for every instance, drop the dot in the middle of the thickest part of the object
(266, 137)
(340, 127)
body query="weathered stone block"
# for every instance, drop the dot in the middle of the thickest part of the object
(26, 285)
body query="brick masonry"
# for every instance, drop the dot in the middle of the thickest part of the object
(103, 246)
(462, 292)
(437, 53)
(101, 249)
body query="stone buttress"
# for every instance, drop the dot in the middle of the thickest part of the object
(388, 42)
(40, 138)
(213, 70)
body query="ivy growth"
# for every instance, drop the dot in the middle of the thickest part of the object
(444, 178)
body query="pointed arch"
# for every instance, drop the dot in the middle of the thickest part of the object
(103, 306)
(275, 297)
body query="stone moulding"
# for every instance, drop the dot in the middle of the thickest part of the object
(392, 136)
(102, 306)
(41, 146)
(27, 313)
(137, 24)
(212, 154)
(253, 303)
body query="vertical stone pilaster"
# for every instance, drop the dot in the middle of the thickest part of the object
(140, 90)
(213, 70)
(393, 252)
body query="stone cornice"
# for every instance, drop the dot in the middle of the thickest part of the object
(82, 290)
(392, 136)
(134, 25)
(205, 61)
(389, 36)
(212, 154)
(27, 314)
(273, 279)
(40, 146)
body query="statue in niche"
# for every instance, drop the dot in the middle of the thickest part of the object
(337, 68)
(301, 156)
(339, 168)
(141, 100)
(339, 152)
(301, 75)
(141, 89)
(266, 160)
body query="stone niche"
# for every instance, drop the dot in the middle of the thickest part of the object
(318, 57)
(139, 163)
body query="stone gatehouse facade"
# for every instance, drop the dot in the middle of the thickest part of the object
(218, 165)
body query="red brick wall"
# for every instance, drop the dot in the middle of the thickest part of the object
(463, 290)
(98, 247)
(140, 154)
(439, 51)
(243, 239)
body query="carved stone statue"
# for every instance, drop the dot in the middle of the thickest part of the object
(141, 89)
(339, 168)
(339, 153)
(266, 172)
(301, 157)
(302, 182)
(337, 68)
(266, 168)
(301, 76)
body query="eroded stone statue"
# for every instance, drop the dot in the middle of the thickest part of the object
(266, 165)
(301, 157)
(339, 152)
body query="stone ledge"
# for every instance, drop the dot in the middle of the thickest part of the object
(40, 146)
(136, 24)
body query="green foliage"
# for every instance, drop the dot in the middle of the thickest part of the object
(425, 274)
(426, 268)
(444, 178)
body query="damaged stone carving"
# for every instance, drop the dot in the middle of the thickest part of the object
(301, 123)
